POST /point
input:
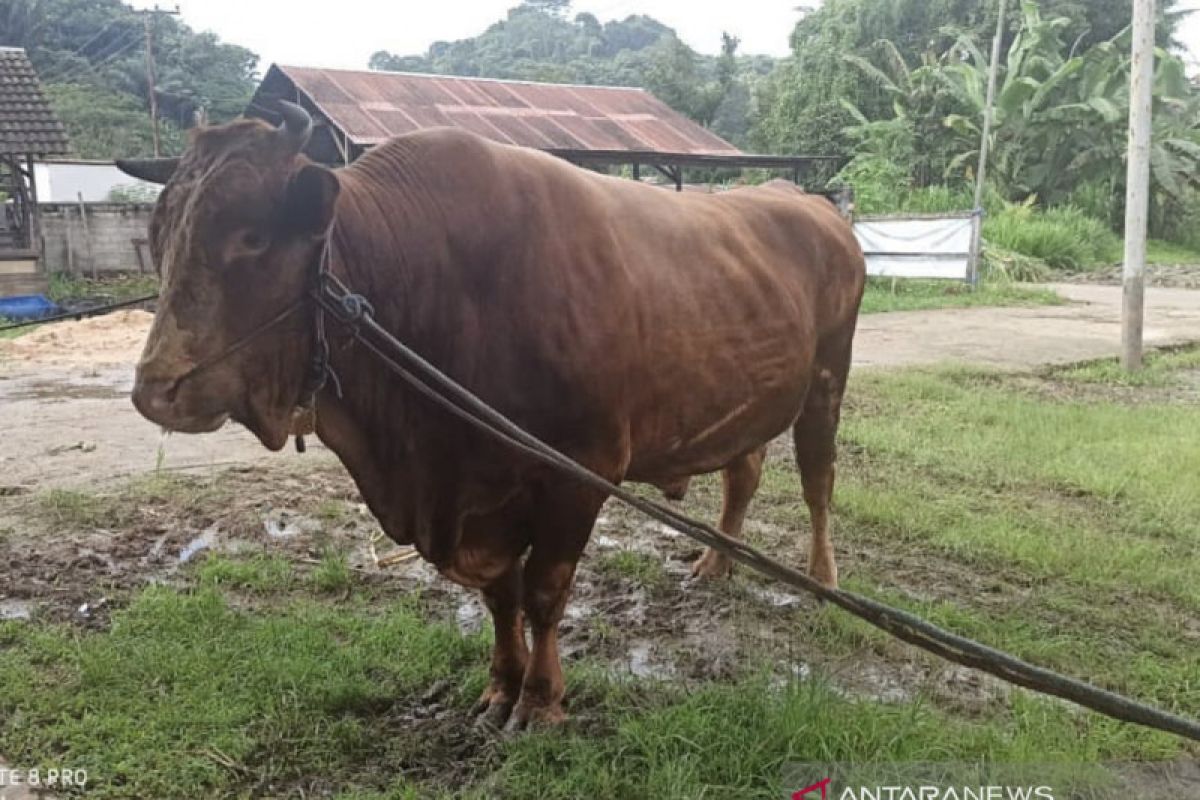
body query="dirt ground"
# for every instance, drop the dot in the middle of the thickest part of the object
(1086, 328)
(67, 419)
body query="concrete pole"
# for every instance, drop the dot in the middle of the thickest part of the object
(1137, 182)
(984, 142)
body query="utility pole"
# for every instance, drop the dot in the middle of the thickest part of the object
(147, 23)
(984, 143)
(1137, 183)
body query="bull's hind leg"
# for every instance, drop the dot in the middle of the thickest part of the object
(815, 435)
(740, 481)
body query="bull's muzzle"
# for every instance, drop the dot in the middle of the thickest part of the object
(161, 400)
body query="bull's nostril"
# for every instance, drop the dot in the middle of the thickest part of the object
(151, 398)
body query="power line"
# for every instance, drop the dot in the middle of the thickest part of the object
(70, 73)
(88, 43)
(103, 53)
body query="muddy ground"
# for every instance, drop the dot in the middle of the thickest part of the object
(76, 558)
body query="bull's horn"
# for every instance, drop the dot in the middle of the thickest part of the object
(297, 125)
(155, 170)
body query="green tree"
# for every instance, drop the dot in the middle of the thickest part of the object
(535, 41)
(102, 123)
(97, 46)
(801, 104)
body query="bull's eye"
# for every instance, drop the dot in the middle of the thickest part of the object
(254, 240)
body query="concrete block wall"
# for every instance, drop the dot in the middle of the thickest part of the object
(105, 245)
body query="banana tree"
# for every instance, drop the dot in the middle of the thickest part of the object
(1060, 118)
(1030, 145)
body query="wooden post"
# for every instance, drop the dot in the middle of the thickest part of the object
(984, 144)
(35, 214)
(87, 235)
(147, 17)
(70, 246)
(150, 84)
(1137, 183)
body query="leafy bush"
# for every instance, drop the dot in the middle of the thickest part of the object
(1001, 266)
(1099, 199)
(1064, 237)
(882, 186)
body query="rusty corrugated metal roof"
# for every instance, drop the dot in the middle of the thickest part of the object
(370, 107)
(28, 125)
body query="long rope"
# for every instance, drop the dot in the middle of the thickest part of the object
(431, 383)
(78, 315)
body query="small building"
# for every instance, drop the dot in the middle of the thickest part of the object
(71, 180)
(354, 110)
(29, 130)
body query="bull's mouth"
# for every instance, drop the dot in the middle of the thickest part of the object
(157, 402)
(192, 424)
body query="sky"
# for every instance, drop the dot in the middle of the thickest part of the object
(344, 33)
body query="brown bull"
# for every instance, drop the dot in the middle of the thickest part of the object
(649, 335)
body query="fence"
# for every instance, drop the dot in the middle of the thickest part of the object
(95, 238)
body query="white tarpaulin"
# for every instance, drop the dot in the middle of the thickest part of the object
(918, 247)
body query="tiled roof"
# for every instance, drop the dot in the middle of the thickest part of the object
(370, 107)
(28, 125)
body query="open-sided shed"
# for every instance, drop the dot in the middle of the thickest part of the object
(29, 129)
(588, 125)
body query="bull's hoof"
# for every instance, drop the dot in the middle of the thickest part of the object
(824, 574)
(494, 709)
(529, 717)
(712, 565)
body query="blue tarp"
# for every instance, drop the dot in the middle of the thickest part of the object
(27, 306)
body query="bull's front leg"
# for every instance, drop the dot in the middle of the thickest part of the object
(510, 654)
(564, 522)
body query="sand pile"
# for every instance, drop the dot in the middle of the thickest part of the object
(115, 338)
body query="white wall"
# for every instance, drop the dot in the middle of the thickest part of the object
(63, 181)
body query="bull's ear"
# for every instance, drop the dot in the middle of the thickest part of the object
(155, 170)
(311, 195)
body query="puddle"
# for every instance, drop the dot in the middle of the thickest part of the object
(469, 616)
(643, 664)
(604, 542)
(773, 597)
(15, 609)
(204, 541)
(878, 682)
(60, 391)
(283, 524)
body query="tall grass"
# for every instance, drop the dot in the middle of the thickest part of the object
(1064, 237)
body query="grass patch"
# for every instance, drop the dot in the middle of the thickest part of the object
(332, 573)
(1170, 253)
(1160, 369)
(1063, 237)
(260, 574)
(884, 294)
(642, 569)
(67, 288)
(14, 332)
(77, 509)
(1083, 491)
(185, 697)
